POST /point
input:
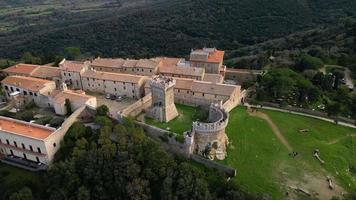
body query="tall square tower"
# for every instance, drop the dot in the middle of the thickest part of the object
(163, 107)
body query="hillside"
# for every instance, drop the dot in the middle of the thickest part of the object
(157, 27)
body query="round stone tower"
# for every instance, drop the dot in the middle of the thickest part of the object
(163, 108)
(209, 138)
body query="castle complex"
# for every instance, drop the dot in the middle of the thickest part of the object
(156, 84)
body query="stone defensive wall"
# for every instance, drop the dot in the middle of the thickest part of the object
(232, 103)
(218, 120)
(137, 107)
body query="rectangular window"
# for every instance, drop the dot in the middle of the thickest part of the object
(12, 153)
(7, 141)
(31, 148)
(24, 156)
(24, 92)
(15, 144)
(31, 93)
(6, 88)
(115, 89)
(39, 150)
(37, 159)
(88, 79)
(23, 146)
(35, 94)
(17, 89)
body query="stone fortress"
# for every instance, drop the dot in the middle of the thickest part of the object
(156, 84)
(163, 107)
(209, 139)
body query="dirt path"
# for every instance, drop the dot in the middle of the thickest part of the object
(338, 139)
(274, 128)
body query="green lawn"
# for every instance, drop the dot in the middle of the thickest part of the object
(13, 179)
(263, 164)
(187, 114)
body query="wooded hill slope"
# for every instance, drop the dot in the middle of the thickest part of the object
(161, 27)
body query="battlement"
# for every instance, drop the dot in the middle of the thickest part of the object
(218, 120)
(162, 82)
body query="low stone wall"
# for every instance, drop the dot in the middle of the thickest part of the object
(171, 145)
(231, 172)
(137, 107)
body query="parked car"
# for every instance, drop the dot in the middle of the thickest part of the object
(113, 97)
(119, 98)
(107, 96)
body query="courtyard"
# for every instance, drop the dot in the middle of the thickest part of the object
(182, 123)
(113, 105)
(263, 160)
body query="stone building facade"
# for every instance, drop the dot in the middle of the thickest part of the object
(209, 139)
(162, 90)
(210, 59)
(127, 85)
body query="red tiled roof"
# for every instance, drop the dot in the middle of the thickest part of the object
(24, 128)
(21, 69)
(29, 83)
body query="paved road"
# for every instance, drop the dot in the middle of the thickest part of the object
(303, 114)
(348, 79)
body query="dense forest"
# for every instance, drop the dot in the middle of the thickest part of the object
(160, 27)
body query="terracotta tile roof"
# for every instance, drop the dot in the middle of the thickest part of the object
(213, 55)
(108, 62)
(187, 71)
(128, 78)
(214, 88)
(25, 129)
(73, 66)
(46, 72)
(164, 61)
(129, 63)
(73, 96)
(214, 78)
(147, 63)
(216, 57)
(203, 87)
(29, 83)
(21, 69)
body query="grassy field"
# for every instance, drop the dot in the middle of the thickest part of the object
(183, 122)
(264, 166)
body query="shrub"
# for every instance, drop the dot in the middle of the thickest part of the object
(180, 138)
(56, 122)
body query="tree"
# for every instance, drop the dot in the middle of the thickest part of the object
(23, 194)
(309, 62)
(102, 110)
(28, 58)
(72, 53)
(333, 109)
(68, 107)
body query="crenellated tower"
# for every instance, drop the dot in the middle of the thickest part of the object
(163, 108)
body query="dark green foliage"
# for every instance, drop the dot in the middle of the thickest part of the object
(72, 53)
(132, 167)
(56, 121)
(68, 107)
(180, 138)
(25, 115)
(23, 194)
(44, 120)
(102, 110)
(285, 85)
(177, 26)
(28, 58)
(309, 62)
